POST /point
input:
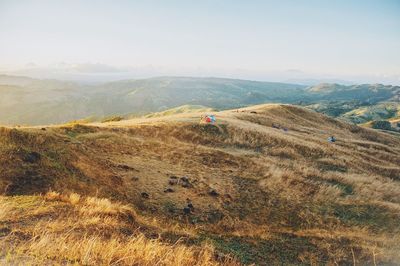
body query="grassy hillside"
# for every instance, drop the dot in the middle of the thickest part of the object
(368, 93)
(184, 109)
(358, 104)
(169, 190)
(381, 111)
(26, 101)
(47, 101)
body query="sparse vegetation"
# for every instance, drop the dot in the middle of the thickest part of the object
(74, 194)
(385, 125)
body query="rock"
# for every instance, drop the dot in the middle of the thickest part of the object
(32, 157)
(185, 182)
(187, 210)
(145, 195)
(213, 193)
(253, 112)
(173, 177)
(190, 206)
(173, 182)
(168, 190)
(43, 128)
(187, 185)
(184, 179)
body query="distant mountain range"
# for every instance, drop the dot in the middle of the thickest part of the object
(33, 102)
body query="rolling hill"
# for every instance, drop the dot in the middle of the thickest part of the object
(262, 185)
(48, 101)
(356, 103)
(26, 101)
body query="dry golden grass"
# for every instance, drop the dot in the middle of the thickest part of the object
(68, 238)
(282, 197)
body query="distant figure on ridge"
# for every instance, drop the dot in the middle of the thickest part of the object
(332, 139)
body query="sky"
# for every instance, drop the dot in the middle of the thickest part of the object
(279, 40)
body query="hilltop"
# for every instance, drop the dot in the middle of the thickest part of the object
(26, 101)
(38, 102)
(263, 185)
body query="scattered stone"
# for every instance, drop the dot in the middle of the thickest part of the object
(145, 195)
(173, 182)
(168, 190)
(184, 179)
(213, 193)
(173, 177)
(32, 157)
(185, 182)
(190, 206)
(135, 178)
(187, 185)
(43, 128)
(187, 210)
(253, 112)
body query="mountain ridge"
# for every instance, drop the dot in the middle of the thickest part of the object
(51, 101)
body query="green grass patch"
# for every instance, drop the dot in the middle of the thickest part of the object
(376, 217)
(283, 250)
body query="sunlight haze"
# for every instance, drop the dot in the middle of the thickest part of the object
(248, 39)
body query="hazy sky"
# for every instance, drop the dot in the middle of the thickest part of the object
(333, 37)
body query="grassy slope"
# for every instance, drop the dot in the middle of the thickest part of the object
(282, 197)
(50, 102)
(182, 109)
(381, 111)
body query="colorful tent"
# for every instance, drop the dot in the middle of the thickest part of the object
(209, 119)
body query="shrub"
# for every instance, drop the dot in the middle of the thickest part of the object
(382, 125)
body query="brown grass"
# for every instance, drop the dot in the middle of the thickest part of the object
(88, 232)
(283, 197)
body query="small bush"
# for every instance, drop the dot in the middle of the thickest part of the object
(382, 125)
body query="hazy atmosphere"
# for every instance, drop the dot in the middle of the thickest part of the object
(200, 133)
(350, 41)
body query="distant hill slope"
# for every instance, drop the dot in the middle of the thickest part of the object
(171, 190)
(368, 93)
(34, 102)
(184, 109)
(380, 111)
(356, 103)
(49, 101)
